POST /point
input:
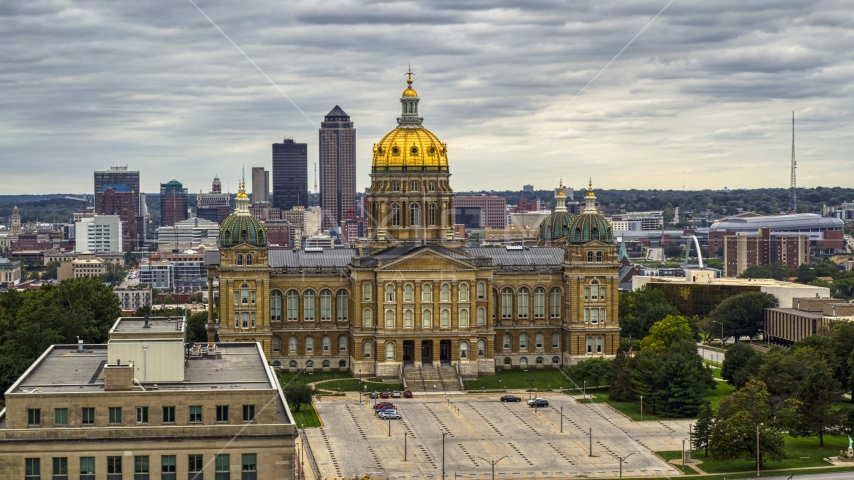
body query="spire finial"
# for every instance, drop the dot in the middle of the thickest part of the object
(561, 182)
(590, 185)
(410, 74)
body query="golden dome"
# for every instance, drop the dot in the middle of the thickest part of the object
(414, 148)
(410, 92)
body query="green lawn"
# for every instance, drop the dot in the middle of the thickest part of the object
(306, 417)
(543, 379)
(352, 385)
(633, 411)
(307, 377)
(802, 452)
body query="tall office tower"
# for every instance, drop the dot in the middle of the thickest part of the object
(120, 200)
(290, 175)
(214, 206)
(337, 167)
(260, 185)
(173, 203)
(118, 176)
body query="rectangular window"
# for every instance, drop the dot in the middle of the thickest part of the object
(245, 318)
(594, 315)
(222, 413)
(222, 467)
(88, 416)
(34, 417)
(249, 468)
(252, 297)
(115, 415)
(602, 315)
(141, 415)
(87, 468)
(196, 414)
(32, 468)
(114, 468)
(236, 320)
(366, 292)
(252, 319)
(586, 293)
(168, 414)
(140, 467)
(60, 469)
(195, 466)
(236, 297)
(586, 315)
(248, 413)
(554, 304)
(167, 467)
(60, 417)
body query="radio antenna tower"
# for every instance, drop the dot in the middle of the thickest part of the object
(793, 186)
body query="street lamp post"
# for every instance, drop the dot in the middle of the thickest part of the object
(561, 419)
(492, 463)
(717, 354)
(584, 391)
(404, 445)
(757, 449)
(622, 459)
(591, 441)
(641, 408)
(443, 454)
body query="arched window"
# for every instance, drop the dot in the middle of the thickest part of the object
(481, 348)
(464, 318)
(389, 319)
(446, 293)
(554, 303)
(407, 293)
(342, 363)
(407, 319)
(540, 360)
(308, 306)
(523, 362)
(275, 306)
(342, 343)
(522, 303)
(523, 341)
(244, 294)
(507, 361)
(413, 186)
(427, 293)
(395, 214)
(600, 343)
(389, 293)
(367, 321)
(538, 340)
(309, 364)
(367, 348)
(481, 291)
(481, 316)
(309, 344)
(507, 341)
(555, 340)
(277, 363)
(249, 258)
(426, 319)
(366, 292)
(238, 259)
(594, 290)
(277, 344)
(389, 352)
(325, 343)
(293, 306)
(464, 350)
(414, 214)
(431, 219)
(464, 292)
(507, 303)
(589, 257)
(599, 257)
(341, 303)
(292, 345)
(555, 360)
(325, 306)
(325, 364)
(293, 364)
(446, 318)
(589, 345)
(539, 302)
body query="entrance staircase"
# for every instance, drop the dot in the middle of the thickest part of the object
(431, 378)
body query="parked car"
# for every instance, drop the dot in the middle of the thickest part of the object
(407, 394)
(390, 416)
(395, 394)
(511, 398)
(538, 402)
(375, 395)
(385, 395)
(386, 411)
(383, 405)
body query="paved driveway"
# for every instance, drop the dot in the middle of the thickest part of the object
(480, 429)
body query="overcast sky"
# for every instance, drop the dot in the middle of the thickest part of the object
(703, 97)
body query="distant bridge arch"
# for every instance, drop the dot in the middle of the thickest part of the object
(688, 251)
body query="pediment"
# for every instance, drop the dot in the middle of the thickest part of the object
(426, 260)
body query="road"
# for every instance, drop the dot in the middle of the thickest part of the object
(822, 476)
(709, 354)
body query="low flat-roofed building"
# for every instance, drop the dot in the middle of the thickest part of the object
(699, 292)
(807, 316)
(144, 405)
(10, 272)
(87, 265)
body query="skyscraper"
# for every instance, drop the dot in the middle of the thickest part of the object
(337, 167)
(260, 185)
(119, 199)
(173, 203)
(214, 206)
(117, 176)
(290, 174)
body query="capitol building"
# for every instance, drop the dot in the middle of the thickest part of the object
(411, 295)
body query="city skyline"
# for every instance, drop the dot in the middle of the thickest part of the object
(703, 94)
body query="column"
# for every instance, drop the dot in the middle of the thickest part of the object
(211, 327)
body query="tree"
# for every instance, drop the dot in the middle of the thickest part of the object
(666, 332)
(50, 270)
(646, 381)
(743, 314)
(817, 397)
(130, 260)
(783, 371)
(195, 297)
(739, 417)
(842, 288)
(840, 350)
(703, 428)
(740, 364)
(594, 370)
(169, 299)
(621, 378)
(639, 309)
(197, 327)
(298, 394)
(673, 250)
(683, 393)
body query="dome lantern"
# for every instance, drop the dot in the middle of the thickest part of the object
(591, 225)
(409, 105)
(557, 225)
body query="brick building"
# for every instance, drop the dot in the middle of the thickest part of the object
(121, 200)
(764, 248)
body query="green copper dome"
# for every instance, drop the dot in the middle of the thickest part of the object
(237, 229)
(589, 227)
(556, 225)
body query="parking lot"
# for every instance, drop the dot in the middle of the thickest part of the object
(479, 430)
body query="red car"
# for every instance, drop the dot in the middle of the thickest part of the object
(385, 395)
(382, 405)
(407, 394)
